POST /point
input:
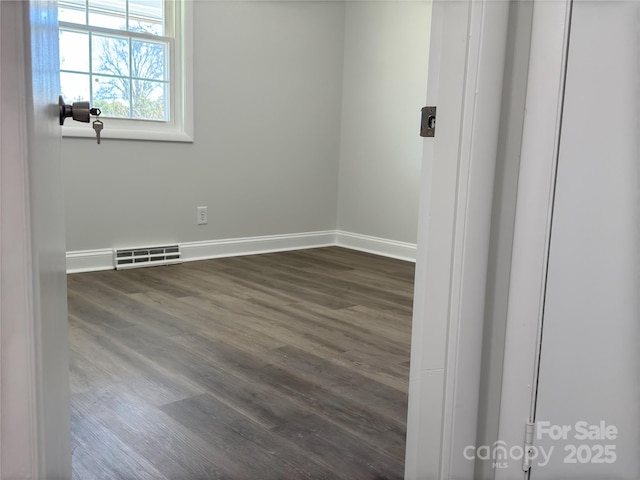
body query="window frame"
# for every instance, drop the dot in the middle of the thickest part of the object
(179, 128)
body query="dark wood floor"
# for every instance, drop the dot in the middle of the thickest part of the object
(279, 366)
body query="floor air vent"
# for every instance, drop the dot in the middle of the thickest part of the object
(146, 257)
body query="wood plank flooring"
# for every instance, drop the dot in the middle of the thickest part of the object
(278, 366)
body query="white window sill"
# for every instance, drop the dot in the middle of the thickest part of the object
(162, 133)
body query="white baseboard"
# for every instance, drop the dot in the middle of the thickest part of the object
(89, 261)
(253, 245)
(96, 260)
(378, 246)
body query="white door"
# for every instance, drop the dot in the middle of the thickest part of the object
(34, 379)
(588, 402)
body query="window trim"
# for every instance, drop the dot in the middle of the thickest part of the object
(180, 127)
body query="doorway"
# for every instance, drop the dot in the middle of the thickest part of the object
(455, 84)
(258, 184)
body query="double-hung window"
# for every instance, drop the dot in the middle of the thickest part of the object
(128, 58)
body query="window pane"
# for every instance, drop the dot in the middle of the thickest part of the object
(148, 60)
(146, 16)
(111, 96)
(108, 14)
(110, 55)
(74, 51)
(149, 100)
(73, 11)
(123, 76)
(75, 87)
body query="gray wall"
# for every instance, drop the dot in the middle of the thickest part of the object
(385, 84)
(268, 113)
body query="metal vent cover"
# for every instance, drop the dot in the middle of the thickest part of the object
(146, 256)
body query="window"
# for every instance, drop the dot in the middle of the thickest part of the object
(127, 57)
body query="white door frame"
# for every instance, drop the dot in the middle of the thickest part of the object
(453, 236)
(466, 67)
(536, 184)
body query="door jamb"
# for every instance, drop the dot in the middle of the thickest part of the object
(467, 58)
(536, 185)
(441, 419)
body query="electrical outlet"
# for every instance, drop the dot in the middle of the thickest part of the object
(202, 215)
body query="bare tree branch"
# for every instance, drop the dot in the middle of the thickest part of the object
(123, 90)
